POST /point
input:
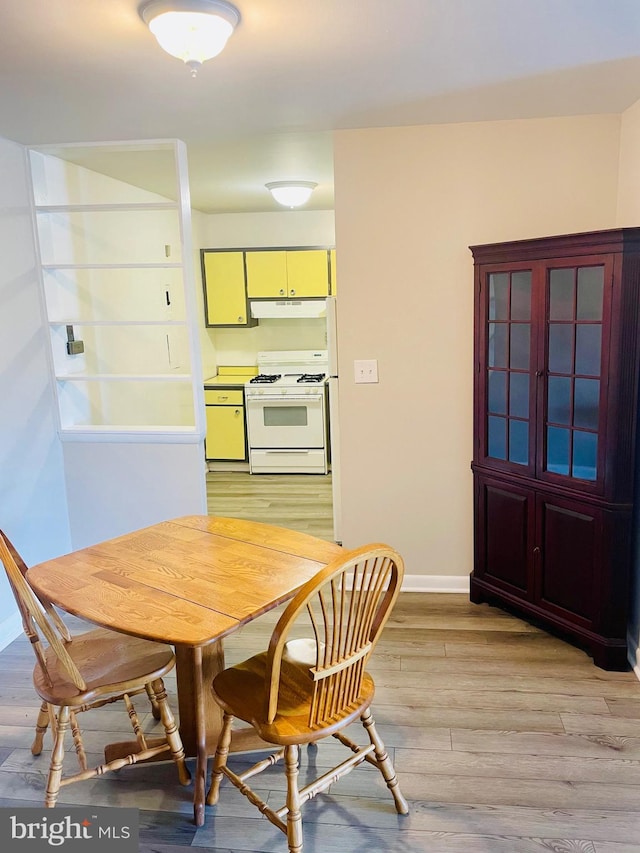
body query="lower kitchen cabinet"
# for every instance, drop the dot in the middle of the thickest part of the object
(226, 434)
(558, 560)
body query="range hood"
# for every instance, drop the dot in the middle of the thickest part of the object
(288, 308)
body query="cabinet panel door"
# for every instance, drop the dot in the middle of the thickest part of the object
(505, 526)
(570, 539)
(308, 273)
(224, 283)
(266, 274)
(225, 432)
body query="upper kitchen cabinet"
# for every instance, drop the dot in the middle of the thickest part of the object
(225, 290)
(115, 262)
(289, 273)
(557, 354)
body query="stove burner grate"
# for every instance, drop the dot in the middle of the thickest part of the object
(311, 377)
(265, 378)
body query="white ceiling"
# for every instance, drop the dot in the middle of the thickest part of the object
(295, 70)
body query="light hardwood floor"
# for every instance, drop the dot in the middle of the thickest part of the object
(505, 740)
(298, 501)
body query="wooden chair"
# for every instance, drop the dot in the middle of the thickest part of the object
(90, 670)
(291, 700)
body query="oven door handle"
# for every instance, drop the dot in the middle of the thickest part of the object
(307, 398)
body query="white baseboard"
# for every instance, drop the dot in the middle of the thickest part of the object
(10, 629)
(436, 583)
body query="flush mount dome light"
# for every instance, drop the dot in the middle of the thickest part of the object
(191, 30)
(291, 193)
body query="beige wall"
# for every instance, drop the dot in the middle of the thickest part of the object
(409, 202)
(628, 215)
(629, 177)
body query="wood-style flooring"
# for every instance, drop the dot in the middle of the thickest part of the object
(298, 501)
(505, 740)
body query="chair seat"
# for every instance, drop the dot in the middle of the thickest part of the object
(108, 661)
(242, 691)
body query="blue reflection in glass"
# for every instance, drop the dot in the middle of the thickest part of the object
(560, 348)
(498, 344)
(585, 405)
(497, 438)
(558, 450)
(519, 442)
(588, 348)
(497, 392)
(559, 399)
(585, 455)
(561, 294)
(498, 296)
(519, 395)
(590, 293)
(520, 345)
(521, 295)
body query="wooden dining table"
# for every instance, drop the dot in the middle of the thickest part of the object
(189, 582)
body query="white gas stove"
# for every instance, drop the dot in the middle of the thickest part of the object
(289, 371)
(286, 413)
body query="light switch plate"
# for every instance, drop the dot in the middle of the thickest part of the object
(366, 370)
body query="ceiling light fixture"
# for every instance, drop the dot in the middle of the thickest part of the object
(191, 30)
(291, 193)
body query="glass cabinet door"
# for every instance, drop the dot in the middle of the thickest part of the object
(508, 367)
(575, 312)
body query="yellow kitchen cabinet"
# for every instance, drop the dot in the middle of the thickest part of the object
(225, 292)
(308, 273)
(290, 273)
(225, 438)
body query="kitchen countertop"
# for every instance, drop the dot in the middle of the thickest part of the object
(228, 375)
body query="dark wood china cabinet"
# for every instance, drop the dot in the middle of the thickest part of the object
(556, 363)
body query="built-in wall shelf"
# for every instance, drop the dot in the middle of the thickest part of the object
(117, 277)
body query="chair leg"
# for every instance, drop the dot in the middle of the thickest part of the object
(77, 741)
(384, 762)
(42, 724)
(171, 731)
(294, 818)
(57, 758)
(220, 760)
(155, 710)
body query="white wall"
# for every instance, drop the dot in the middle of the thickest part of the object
(409, 203)
(629, 215)
(115, 485)
(253, 230)
(33, 507)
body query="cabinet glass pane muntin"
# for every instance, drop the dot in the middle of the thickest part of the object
(509, 363)
(575, 314)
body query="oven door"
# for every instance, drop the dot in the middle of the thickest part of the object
(286, 422)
